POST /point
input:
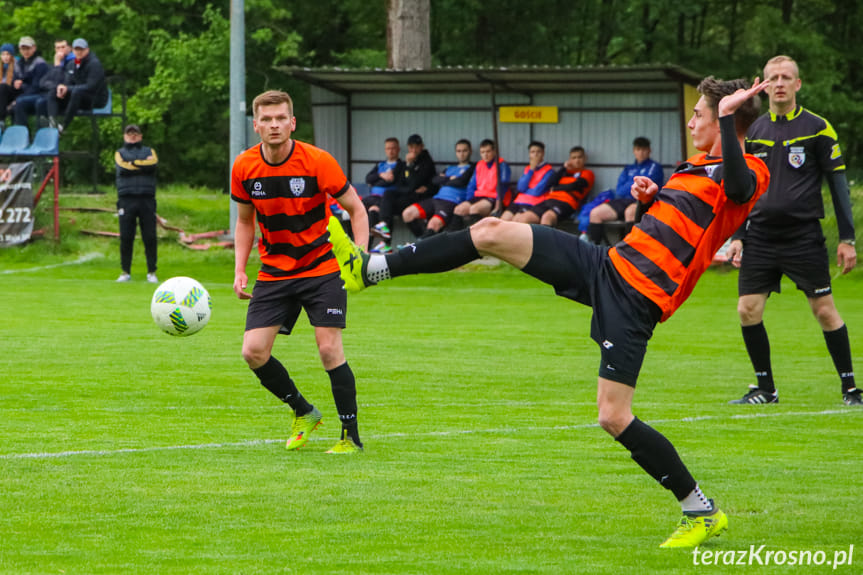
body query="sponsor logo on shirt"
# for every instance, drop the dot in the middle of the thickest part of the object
(258, 190)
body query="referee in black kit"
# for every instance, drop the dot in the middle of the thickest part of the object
(783, 234)
(136, 200)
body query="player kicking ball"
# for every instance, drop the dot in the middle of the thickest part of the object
(631, 286)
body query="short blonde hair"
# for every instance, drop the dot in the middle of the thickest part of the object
(272, 98)
(779, 60)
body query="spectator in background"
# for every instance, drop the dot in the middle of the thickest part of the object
(619, 204)
(452, 185)
(414, 185)
(36, 102)
(85, 87)
(136, 200)
(532, 187)
(7, 79)
(382, 177)
(571, 185)
(30, 69)
(487, 186)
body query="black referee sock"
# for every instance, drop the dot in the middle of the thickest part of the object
(840, 350)
(439, 253)
(344, 388)
(758, 347)
(655, 454)
(275, 378)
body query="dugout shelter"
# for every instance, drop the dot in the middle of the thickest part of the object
(600, 108)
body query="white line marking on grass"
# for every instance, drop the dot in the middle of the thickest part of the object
(499, 430)
(82, 260)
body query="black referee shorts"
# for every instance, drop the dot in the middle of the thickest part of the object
(800, 254)
(279, 303)
(623, 319)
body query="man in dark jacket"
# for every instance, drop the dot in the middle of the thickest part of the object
(136, 200)
(29, 71)
(414, 185)
(85, 87)
(35, 102)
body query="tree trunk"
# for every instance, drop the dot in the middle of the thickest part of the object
(787, 7)
(408, 34)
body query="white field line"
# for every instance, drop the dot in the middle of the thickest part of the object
(383, 436)
(82, 260)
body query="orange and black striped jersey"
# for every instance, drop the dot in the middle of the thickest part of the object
(690, 219)
(290, 201)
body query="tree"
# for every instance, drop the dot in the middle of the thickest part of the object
(408, 37)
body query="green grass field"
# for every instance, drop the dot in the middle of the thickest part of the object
(123, 450)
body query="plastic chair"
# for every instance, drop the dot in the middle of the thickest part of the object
(106, 109)
(14, 140)
(45, 143)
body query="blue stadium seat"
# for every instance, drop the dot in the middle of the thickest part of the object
(15, 139)
(45, 143)
(106, 109)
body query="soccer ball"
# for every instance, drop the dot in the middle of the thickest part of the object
(181, 306)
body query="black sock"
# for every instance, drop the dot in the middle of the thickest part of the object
(344, 388)
(275, 378)
(594, 232)
(655, 454)
(758, 347)
(417, 227)
(439, 253)
(427, 234)
(374, 218)
(840, 350)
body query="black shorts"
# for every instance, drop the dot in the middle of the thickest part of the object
(619, 205)
(519, 208)
(477, 199)
(371, 201)
(623, 319)
(434, 207)
(800, 254)
(562, 209)
(279, 303)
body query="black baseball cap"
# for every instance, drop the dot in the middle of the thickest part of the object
(415, 140)
(133, 128)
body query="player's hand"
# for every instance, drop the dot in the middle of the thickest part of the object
(422, 189)
(846, 257)
(643, 189)
(734, 253)
(729, 104)
(240, 283)
(387, 176)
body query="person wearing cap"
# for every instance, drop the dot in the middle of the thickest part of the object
(28, 70)
(414, 185)
(85, 87)
(136, 200)
(27, 105)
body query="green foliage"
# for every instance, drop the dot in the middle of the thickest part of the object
(174, 54)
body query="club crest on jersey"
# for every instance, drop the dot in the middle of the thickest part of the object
(298, 186)
(796, 156)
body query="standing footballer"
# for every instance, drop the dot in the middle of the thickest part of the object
(283, 183)
(783, 234)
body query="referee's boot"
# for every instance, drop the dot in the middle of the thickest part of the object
(853, 397)
(756, 396)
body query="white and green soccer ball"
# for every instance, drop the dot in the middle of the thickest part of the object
(181, 306)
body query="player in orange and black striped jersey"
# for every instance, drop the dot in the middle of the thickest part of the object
(783, 235)
(572, 184)
(283, 184)
(636, 284)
